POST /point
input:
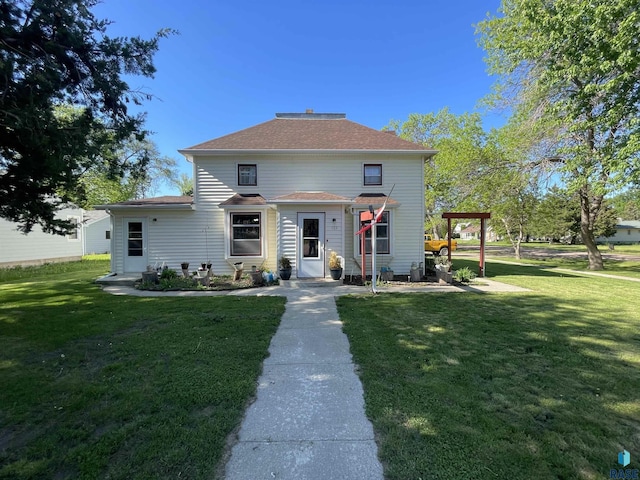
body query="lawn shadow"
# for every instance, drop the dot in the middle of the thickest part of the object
(520, 385)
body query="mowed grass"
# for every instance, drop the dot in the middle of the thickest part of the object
(537, 385)
(101, 386)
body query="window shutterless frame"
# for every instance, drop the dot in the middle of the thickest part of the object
(246, 234)
(383, 236)
(372, 174)
(247, 174)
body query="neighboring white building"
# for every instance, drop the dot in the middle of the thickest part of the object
(38, 247)
(294, 186)
(627, 231)
(96, 226)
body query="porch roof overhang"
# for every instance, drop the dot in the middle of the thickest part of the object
(244, 200)
(315, 198)
(375, 199)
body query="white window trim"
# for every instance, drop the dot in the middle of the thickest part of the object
(227, 234)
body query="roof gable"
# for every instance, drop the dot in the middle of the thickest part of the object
(310, 131)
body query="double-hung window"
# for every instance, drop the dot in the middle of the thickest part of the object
(246, 234)
(373, 174)
(383, 236)
(247, 175)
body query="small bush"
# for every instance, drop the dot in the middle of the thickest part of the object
(168, 274)
(464, 275)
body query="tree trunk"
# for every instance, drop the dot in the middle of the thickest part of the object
(515, 244)
(587, 220)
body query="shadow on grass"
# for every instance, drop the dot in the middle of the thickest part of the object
(497, 386)
(97, 386)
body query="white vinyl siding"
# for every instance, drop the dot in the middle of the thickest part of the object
(336, 173)
(202, 234)
(38, 247)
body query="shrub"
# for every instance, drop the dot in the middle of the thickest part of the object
(464, 274)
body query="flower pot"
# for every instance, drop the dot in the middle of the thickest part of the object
(444, 277)
(336, 273)
(151, 277)
(285, 273)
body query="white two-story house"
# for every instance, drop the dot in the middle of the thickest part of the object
(292, 186)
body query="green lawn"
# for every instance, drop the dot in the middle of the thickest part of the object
(536, 385)
(102, 386)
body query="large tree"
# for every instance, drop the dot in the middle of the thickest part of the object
(451, 176)
(55, 53)
(570, 70)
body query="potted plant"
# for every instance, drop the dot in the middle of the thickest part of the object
(335, 266)
(443, 270)
(284, 268)
(185, 269)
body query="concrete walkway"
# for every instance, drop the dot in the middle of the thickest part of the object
(308, 420)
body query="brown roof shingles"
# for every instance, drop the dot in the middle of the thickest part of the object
(373, 199)
(310, 134)
(311, 197)
(244, 199)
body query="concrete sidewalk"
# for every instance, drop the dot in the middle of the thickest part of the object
(308, 420)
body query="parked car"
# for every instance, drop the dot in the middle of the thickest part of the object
(438, 247)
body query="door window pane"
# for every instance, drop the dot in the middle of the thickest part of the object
(310, 238)
(135, 245)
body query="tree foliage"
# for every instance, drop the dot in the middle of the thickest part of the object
(570, 70)
(102, 186)
(627, 204)
(451, 176)
(185, 184)
(55, 53)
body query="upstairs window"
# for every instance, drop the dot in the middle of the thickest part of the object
(247, 175)
(372, 174)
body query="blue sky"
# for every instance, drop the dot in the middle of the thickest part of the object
(235, 64)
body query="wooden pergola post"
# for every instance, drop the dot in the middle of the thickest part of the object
(483, 216)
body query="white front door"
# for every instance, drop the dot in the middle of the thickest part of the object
(310, 245)
(135, 244)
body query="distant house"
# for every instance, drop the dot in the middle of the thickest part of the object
(38, 247)
(627, 231)
(96, 225)
(295, 186)
(471, 232)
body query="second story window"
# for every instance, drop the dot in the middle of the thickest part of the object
(247, 175)
(372, 174)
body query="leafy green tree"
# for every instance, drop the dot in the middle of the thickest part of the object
(570, 70)
(101, 186)
(185, 184)
(450, 176)
(557, 215)
(54, 53)
(627, 204)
